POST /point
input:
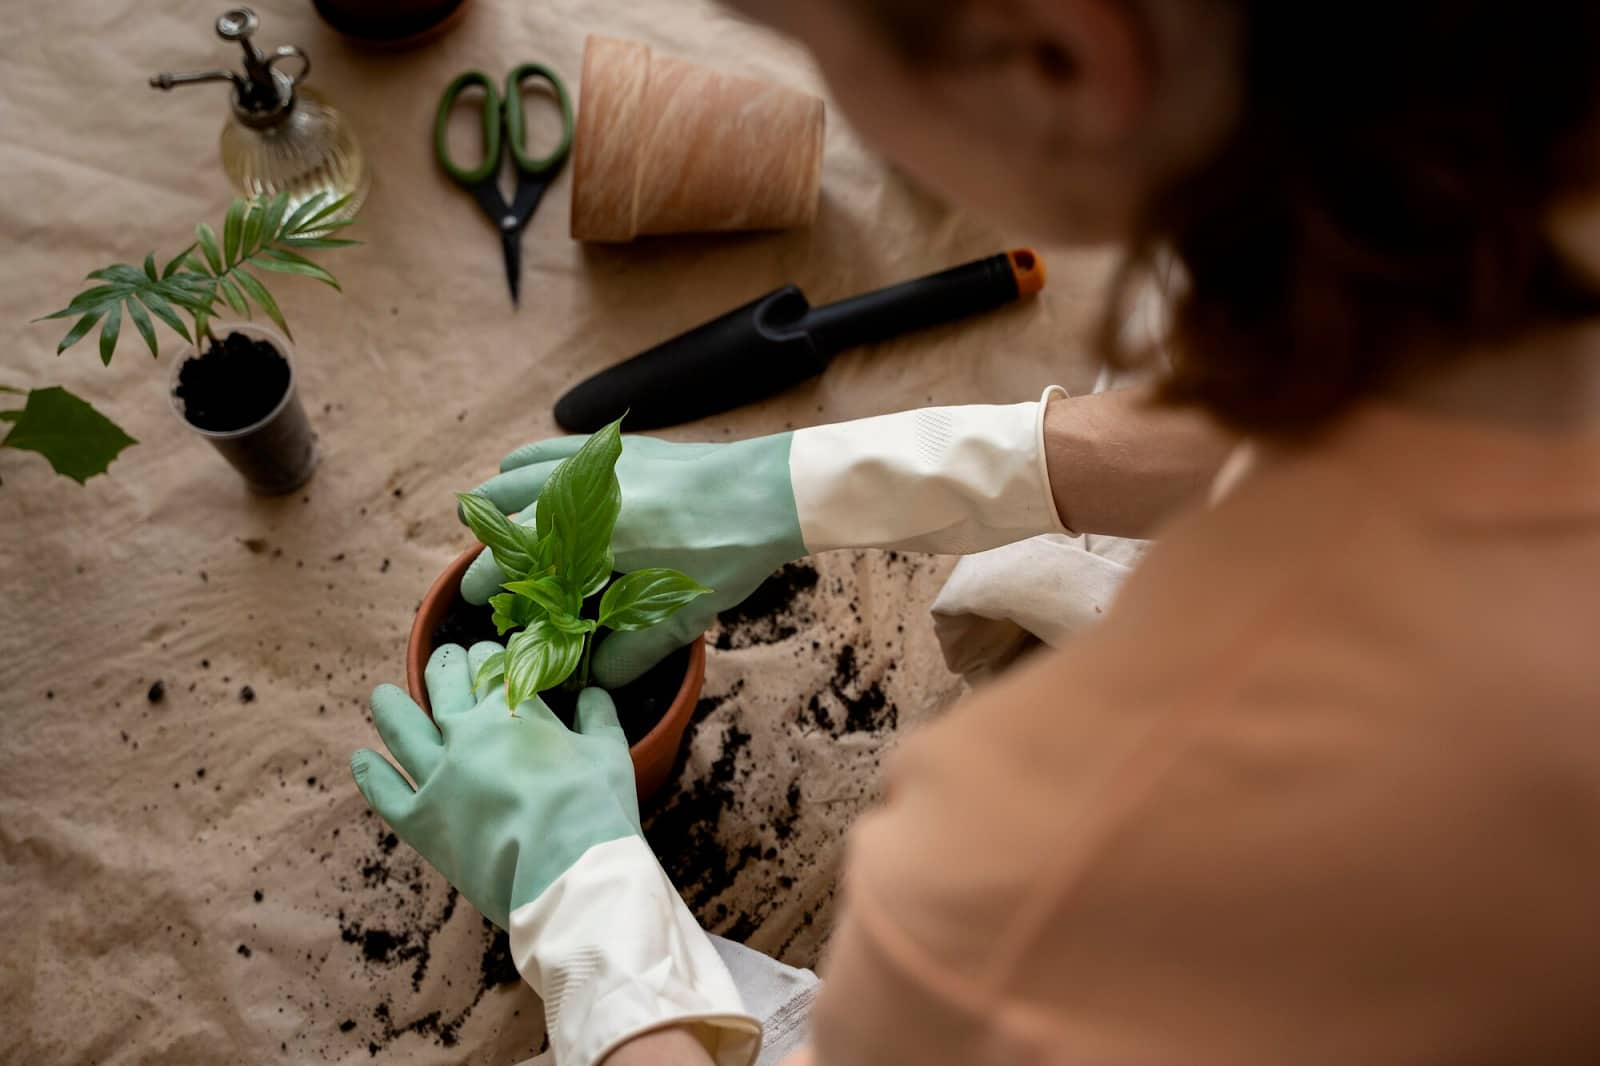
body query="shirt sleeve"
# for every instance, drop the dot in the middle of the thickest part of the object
(1227, 827)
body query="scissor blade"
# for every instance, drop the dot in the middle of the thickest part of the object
(512, 242)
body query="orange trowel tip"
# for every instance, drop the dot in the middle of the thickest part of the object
(1028, 269)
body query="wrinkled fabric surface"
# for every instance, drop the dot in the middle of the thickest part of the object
(189, 875)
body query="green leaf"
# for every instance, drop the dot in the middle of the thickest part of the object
(490, 670)
(159, 307)
(10, 416)
(330, 209)
(208, 245)
(141, 322)
(88, 300)
(515, 547)
(549, 593)
(315, 242)
(643, 598)
(120, 273)
(251, 239)
(512, 612)
(150, 267)
(108, 333)
(76, 333)
(578, 509)
(273, 218)
(232, 227)
(297, 217)
(79, 441)
(175, 262)
(287, 262)
(235, 298)
(258, 292)
(13, 390)
(538, 658)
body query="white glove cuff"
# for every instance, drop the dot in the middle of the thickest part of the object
(946, 480)
(614, 953)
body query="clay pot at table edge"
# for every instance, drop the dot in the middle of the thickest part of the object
(655, 753)
(275, 454)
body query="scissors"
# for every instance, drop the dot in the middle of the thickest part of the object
(533, 175)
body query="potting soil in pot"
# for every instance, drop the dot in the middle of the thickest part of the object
(640, 704)
(234, 383)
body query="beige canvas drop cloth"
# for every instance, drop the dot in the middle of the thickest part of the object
(194, 879)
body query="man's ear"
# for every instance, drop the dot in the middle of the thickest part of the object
(1095, 56)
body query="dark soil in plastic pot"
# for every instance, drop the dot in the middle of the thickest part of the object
(234, 383)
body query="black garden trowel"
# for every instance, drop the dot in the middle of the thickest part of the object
(780, 340)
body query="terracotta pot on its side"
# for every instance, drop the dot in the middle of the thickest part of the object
(653, 756)
(667, 146)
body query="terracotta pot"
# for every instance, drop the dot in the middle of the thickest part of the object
(666, 146)
(653, 756)
(391, 24)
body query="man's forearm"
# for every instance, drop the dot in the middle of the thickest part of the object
(1120, 465)
(673, 1046)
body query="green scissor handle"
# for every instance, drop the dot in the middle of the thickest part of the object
(516, 126)
(491, 128)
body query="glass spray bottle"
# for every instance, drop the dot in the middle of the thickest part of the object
(281, 136)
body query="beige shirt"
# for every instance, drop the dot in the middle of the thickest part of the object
(1322, 787)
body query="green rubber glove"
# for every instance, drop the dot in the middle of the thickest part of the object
(538, 826)
(722, 513)
(488, 783)
(947, 480)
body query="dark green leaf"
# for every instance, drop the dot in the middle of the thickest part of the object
(232, 227)
(549, 593)
(235, 298)
(13, 390)
(304, 211)
(79, 441)
(258, 292)
(208, 245)
(79, 328)
(251, 240)
(490, 670)
(98, 296)
(274, 217)
(150, 267)
(10, 416)
(141, 322)
(109, 330)
(316, 242)
(538, 658)
(159, 307)
(512, 612)
(578, 508)
(324, 212)
(175, 262)
(287, 262)
(121, 273)
(643, 598)
(514, 547)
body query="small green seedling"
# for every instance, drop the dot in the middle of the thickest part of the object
(263, 235)
(559, 562)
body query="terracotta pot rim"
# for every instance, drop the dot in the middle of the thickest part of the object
(444, 589)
